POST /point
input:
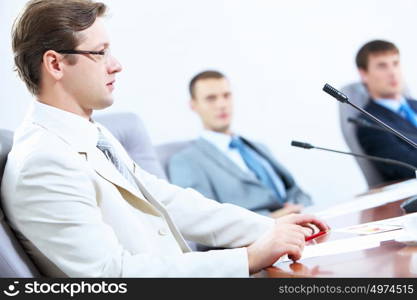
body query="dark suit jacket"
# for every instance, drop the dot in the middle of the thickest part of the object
(206, 169)
(384, 144)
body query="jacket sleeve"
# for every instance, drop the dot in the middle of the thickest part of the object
(206, 221)
(386, 145)
(54, 205)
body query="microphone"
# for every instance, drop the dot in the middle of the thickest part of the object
(344, 99)
(364, 123)
(369, 157)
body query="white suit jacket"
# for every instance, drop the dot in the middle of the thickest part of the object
(77, 216)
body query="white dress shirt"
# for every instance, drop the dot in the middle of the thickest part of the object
(222, 141)
(391, 104)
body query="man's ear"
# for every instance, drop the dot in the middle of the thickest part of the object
(52, 64)
(364, 75)
(193, 104)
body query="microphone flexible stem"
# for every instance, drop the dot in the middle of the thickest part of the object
(401, 136)
(384, 160)
(365, 123)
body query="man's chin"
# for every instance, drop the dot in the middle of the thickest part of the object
(104, 104)
(392, 94)
(222, 129)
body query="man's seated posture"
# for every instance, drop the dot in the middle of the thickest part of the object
(378, 63)
(80, 205)
(227, 167)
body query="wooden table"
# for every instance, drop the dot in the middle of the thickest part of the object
(390, 259)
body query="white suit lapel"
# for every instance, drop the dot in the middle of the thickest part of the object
(178, 236)
(105, 169)
(147, 203)
(82, 136)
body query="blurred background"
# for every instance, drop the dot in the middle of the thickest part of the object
(277, 55)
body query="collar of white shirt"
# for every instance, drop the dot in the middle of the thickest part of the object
(77, 131)
(220, 140)
(391, 104)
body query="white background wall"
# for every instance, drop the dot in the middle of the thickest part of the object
(278, 55)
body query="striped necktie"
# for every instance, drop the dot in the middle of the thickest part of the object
(107, 148)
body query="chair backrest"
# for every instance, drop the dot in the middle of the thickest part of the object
(14, 262)
(166, 151)
(130, 131)
(358, 95)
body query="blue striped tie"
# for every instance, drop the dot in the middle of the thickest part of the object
(104, 145)
(255, 166)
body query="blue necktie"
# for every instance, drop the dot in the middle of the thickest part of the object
(255, 166)
(408, 113)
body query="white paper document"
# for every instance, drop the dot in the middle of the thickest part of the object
(345, 245)
(409, 237)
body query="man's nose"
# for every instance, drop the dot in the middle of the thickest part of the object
(222, 102)
(114, 65)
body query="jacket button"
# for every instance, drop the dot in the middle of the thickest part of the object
(163, 231)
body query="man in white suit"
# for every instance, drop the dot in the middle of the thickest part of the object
(80, 205)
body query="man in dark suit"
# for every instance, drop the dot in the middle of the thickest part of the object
(379, 66)
(227, 167)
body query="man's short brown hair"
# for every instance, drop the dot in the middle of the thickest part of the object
(373, 47)
(209, 74)
(49, 25)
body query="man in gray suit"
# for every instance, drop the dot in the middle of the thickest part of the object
(229, 168)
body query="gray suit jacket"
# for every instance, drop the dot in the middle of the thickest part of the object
(203, 167)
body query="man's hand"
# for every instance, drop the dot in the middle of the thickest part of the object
(287, 236)
(309, 222)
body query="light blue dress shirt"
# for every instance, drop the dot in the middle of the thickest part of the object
(393, 105)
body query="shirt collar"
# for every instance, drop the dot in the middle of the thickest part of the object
(80, 133)
(220, 140)
(391, 104)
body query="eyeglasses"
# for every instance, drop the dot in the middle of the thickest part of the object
(104, 53)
